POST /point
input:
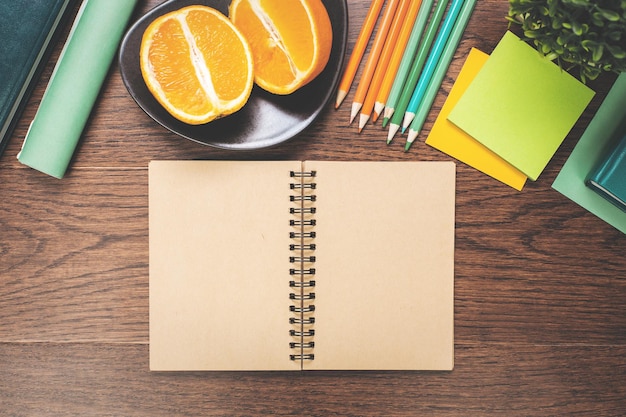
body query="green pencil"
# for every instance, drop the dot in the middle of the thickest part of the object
(440, 72)
(416, 69)
(407, 59)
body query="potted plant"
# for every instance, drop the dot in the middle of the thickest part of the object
(587, 36)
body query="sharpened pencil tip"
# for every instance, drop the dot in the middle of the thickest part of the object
(406, 122)
(393, 129)
(410, 139)
(363, 118)
(378, 108)
(385, 121)
(355, 110)
(341, 95)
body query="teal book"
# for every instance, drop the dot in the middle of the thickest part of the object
(27, 30)
(605, 126)
(608, 178)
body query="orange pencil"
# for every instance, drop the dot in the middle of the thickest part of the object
(383, 62)
(359, 50)
(396, 59)
(372, 60)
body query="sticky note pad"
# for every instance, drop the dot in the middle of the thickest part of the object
(606, 123)
(448, 138)
(521, 105)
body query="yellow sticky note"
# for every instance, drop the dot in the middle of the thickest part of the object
(448, 138)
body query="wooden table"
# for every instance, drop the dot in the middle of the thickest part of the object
(540, 316)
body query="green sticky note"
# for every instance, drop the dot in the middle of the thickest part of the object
(570, 182)
(521, 105)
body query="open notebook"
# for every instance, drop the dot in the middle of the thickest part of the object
(289, 265)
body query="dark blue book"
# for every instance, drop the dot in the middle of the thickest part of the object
(608, 178)
(27, 31)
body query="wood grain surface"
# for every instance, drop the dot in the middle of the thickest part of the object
(540, 316)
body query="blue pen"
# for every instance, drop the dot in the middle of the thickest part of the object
(431, 62)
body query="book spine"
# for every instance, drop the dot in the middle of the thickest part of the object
(27, 62)
(302, 270)
(610, 162)
(608, 178)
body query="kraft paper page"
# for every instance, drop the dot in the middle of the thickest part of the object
(220, 265)
(219, 238)
(385, 265)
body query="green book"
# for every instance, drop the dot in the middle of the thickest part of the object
(75, 85)
(609, 176)
(27, 30)
(590, 149)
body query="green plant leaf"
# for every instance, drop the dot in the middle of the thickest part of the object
(552, 7)
(597, 53)
(588, 44)
(530, 34)
(617, 52)
(596, 19)
(588, 36)
(610, 15)
(577, 28)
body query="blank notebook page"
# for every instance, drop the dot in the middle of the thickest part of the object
(219, 238)
(223, 266)
(384, 265)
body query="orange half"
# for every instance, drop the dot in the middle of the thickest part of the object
(197, 64)
(290, 40)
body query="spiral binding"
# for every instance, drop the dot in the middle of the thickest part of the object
(303, 260)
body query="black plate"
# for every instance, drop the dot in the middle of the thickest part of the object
(266, 119)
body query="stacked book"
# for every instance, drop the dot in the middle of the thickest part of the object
(27, 29)
(594, 176)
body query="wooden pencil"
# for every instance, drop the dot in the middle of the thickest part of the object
(395, 119)
(372, 59)
(408, 56)
(358, 51)
(440, 72)
(402, 44)
(431, 64)
(391, 43)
